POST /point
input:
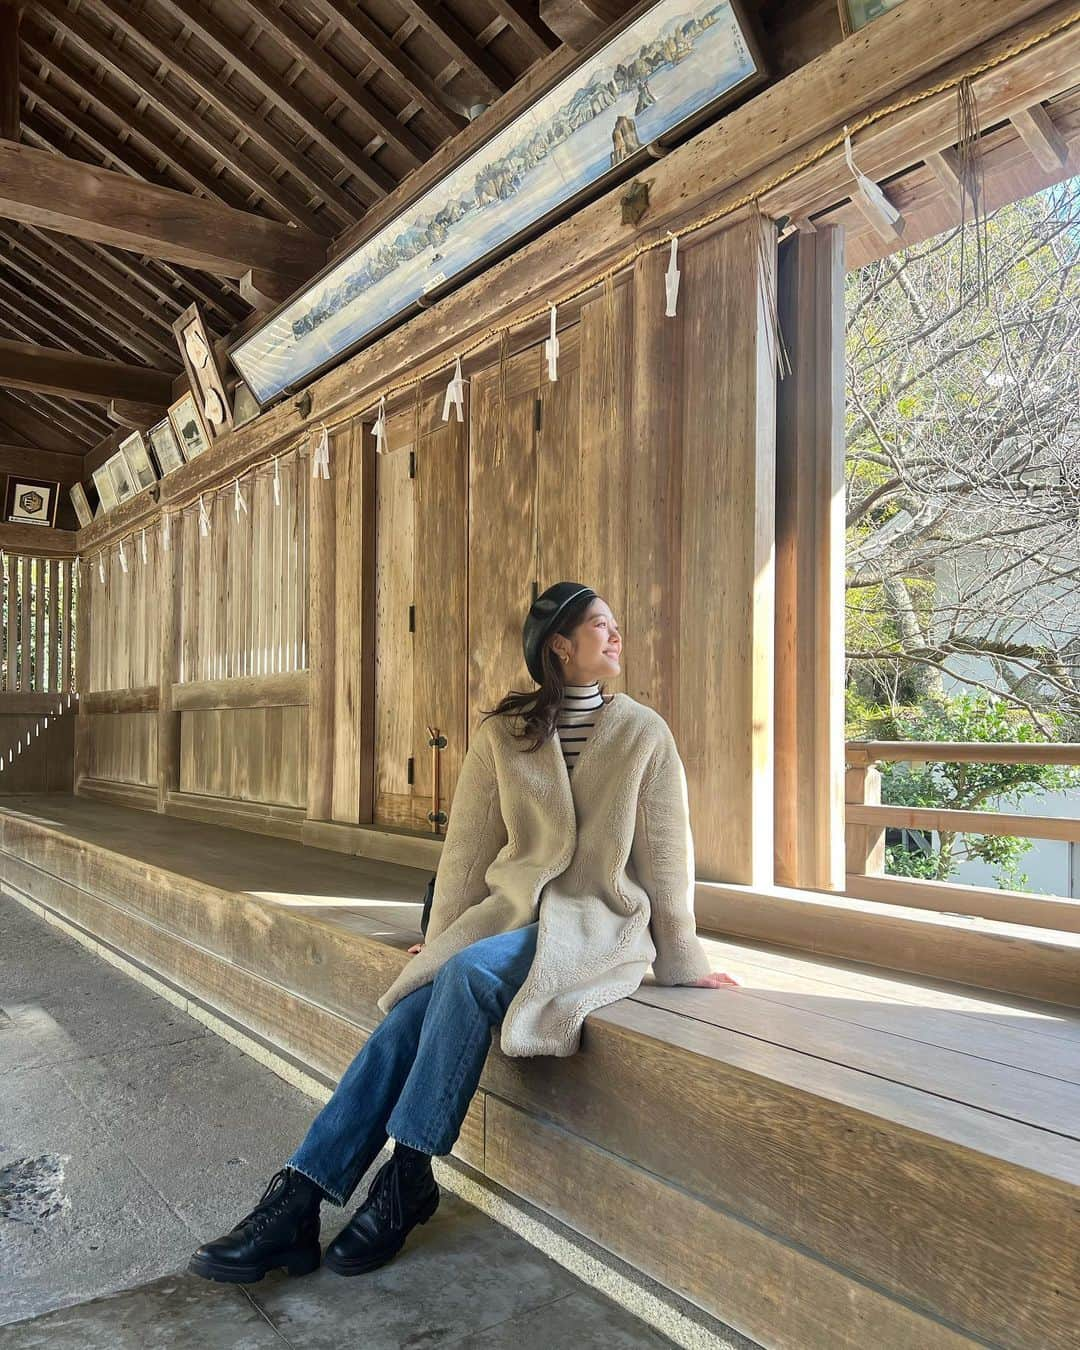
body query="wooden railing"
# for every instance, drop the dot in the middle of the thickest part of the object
(867, 819)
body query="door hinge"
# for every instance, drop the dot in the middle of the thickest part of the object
(538, 414)
(412, 618)
(411, 762)
(412, 463)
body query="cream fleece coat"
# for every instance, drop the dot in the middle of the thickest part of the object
(615, 870)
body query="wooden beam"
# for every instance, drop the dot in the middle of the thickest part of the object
(1041, 137)
(33, 540)
(38, 463)
(366, 35)
(942, 164)
(55, 193)
(71, 375)
(278, 196)
(579, 22)
(520, 17)
(265, 290)
(214, 87)
(137, 416)
(10, 15)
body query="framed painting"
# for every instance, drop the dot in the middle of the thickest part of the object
(165, 446)
(188, 425)
(669, 67)
(31, 501)
(206, 380)
(83, 514)
(107, 498)
(120, 476)
(140, 469)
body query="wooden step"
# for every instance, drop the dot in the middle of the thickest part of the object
(831, 1155)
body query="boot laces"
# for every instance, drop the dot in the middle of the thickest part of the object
(388, 1201)
(273, 1202)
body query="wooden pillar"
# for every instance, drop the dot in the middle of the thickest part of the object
(810, 565)
(322, 520)
(170, 572)
(84, 607)
(719, 521)
(865, 844)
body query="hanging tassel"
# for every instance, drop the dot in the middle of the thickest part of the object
(204, 519)
(501, 428)
(971, 173)
(671, 278)
(238, 500)
(320, 461)
(142, 546)
(551, 350)
(379, 428)
(868, 187)
(455, 394)
(101, 568)
(762, 225)
(123, 560)
(277, 482)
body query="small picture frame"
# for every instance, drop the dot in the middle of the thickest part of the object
(856, 14)
(77, 493)
(105, 490)
(31, 501)
(120, 475)
(188, 425)
(140, 469)
(165, 446)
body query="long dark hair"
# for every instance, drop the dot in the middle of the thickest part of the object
(541, 708)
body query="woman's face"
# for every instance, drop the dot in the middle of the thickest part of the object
(596, 649)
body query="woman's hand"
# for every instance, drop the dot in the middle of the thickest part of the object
(416, 948)
(716, 979)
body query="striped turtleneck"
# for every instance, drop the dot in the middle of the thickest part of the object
(578, 713)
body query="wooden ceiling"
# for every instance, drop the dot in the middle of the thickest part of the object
(301, 113)
(316, 119)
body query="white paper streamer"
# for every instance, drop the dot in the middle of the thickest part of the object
(277, 485)
(455, 394)
(671, 278)
(551, 349)
(123, 560)
(868, 186)
(204, 519)
(238, 501)
(142, 546)
(165, 533)
(320, 461)
(101, 568)
(379, 428)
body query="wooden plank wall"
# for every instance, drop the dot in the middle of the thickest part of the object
(243, 595)
(646, 469)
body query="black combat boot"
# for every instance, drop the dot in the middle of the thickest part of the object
(403, 1193)
(282, 1230)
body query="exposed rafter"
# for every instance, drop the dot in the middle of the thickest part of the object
(10, 17)
(185, 118)
(368, 37)
(214, 86)
(51, 370)
(455, 39)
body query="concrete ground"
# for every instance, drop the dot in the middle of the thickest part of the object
(129, 1133)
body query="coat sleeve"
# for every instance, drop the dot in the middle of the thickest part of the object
(474, 835)
(663, 857)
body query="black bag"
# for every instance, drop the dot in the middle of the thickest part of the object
(428, 897)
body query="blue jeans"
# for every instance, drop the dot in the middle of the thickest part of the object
(416, 1073)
